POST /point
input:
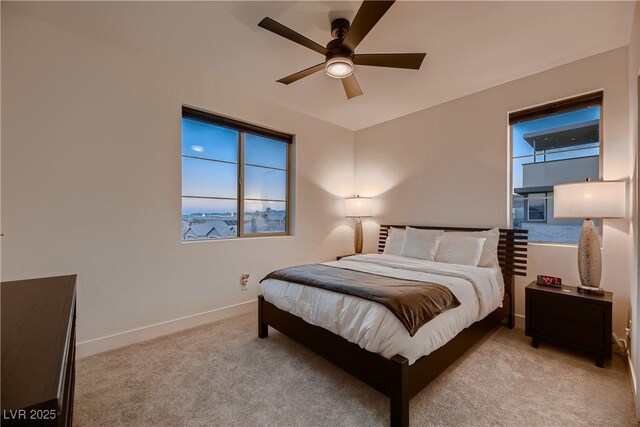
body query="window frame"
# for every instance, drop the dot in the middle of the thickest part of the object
(244, 127)
(559, 106)
(544, 208)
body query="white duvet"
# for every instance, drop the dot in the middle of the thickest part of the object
(371, 325)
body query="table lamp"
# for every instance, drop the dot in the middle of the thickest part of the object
(358, 207)
(588, 200)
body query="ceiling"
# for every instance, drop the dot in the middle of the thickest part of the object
(470, 46)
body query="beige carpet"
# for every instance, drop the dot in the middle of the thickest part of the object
(221, 374)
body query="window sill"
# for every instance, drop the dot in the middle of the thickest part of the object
(568, 245)
(236, 239)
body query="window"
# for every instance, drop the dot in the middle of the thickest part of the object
(553, 144)
(235, 178)
(537, 207)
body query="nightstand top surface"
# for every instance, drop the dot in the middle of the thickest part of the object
(571, 291)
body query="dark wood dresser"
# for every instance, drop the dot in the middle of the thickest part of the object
(38, 351)
(566, 316)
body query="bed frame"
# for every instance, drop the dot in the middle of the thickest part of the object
(394, 377)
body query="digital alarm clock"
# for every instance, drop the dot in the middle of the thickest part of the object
(549, 281)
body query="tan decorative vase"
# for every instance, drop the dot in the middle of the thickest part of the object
(589, 257)
(357, 237)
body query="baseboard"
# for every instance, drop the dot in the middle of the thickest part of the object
(110, 342)
(634, 385)
(519, 321)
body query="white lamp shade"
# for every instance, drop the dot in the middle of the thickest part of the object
(358, 207)
(590, 199)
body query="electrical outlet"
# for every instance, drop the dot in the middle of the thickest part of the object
(244, 281)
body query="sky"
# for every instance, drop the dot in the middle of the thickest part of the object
(206, 178)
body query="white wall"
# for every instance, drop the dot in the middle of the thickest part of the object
(449, 165)
(634, 316)
(91, 182)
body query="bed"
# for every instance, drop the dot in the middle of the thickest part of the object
(365, 339)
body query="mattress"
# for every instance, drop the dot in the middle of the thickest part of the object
(372, 326)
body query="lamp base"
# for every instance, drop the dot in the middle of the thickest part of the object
(357, 237)
(589, 256)
(591, 290)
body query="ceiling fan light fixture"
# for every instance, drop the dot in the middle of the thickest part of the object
(339, 66)
(339, 54)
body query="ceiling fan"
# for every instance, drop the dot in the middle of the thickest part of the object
(339, 54)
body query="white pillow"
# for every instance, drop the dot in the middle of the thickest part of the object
(394, 242)
(460, 249)
(489, 257)
(421, 244)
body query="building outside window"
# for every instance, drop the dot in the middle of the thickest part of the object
(553, 144)
(235, 178)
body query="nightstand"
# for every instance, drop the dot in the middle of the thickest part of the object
(339, 257)
(566, 316)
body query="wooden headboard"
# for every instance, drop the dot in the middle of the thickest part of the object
(512, 256)
(512, 246)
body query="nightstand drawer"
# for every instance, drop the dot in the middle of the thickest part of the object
(582, 335)
(566, 309)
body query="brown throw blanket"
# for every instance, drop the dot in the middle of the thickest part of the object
(414, 303)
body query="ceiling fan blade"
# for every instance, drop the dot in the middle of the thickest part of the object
(351, 86)
(286, 32)
(367, 17)
(301, 74)
(412, 61)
